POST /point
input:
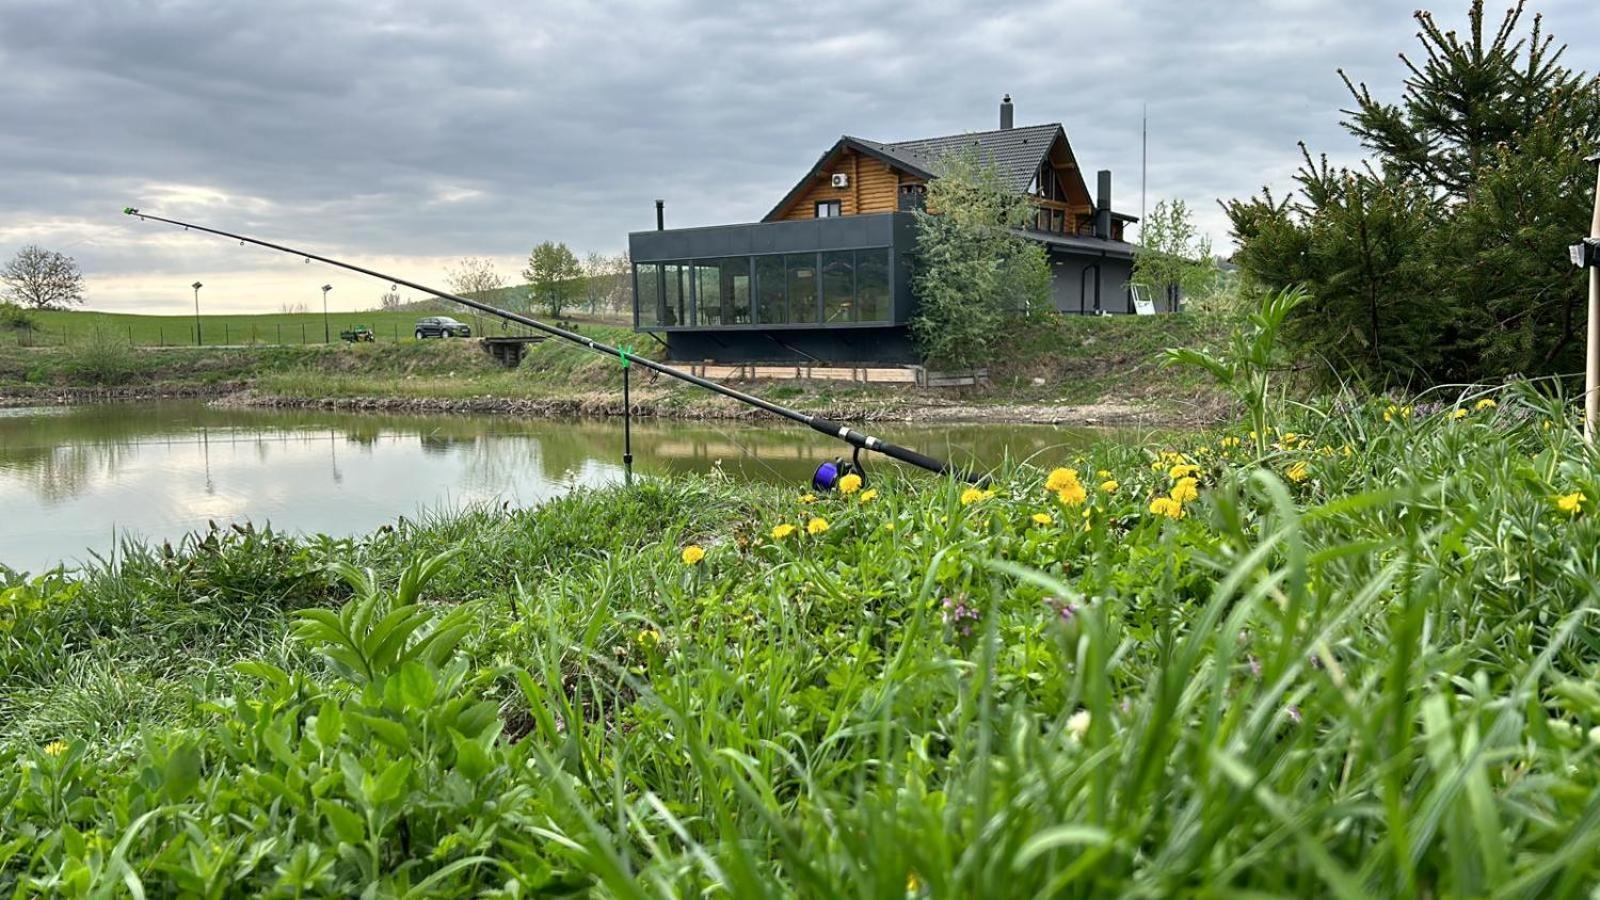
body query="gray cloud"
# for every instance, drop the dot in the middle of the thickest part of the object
(421, 131)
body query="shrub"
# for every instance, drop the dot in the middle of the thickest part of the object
(14, 316)
(102, 359)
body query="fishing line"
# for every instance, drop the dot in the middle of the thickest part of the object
(836, 430)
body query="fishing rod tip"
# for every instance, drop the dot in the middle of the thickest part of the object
(129, 211)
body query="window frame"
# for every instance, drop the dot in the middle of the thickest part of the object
(837, 207)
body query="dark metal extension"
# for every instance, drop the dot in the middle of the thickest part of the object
(828, 427)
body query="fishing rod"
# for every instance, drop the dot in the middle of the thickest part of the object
(827, 474)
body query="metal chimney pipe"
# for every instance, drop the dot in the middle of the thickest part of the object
(1005, 113)
(1102, 206)
(661, 215)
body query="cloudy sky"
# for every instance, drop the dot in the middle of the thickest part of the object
(405, 135)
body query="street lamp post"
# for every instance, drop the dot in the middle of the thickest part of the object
(1587, 254)
(327, 333)
(197, 286)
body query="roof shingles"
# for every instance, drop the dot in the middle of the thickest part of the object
(1016, 152)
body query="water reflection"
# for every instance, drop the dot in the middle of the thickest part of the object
(71, 479)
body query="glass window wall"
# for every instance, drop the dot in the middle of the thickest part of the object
(873, 293)
(772, 297)
(722, 291)
(839, 286)
(802, 271)
(834, 287)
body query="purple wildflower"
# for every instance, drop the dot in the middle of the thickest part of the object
(959, 616)
(1064, 608)
(1294, 714)
(1255, 667)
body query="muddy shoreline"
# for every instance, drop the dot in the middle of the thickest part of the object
(889, 409)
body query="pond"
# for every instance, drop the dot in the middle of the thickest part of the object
(75, 480)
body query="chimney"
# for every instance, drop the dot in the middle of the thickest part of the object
(1005, 113)
(1102, 205)
(661, 215)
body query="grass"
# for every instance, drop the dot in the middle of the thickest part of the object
(68, 328)
(1358, 664)
(1076, 360)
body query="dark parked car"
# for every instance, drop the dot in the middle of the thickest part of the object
(441, 327)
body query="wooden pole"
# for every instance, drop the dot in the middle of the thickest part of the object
(1591, 381)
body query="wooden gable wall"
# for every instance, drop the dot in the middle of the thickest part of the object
(874, 187)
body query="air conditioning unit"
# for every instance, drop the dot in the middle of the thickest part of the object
(841, 180)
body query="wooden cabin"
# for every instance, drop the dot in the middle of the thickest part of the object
(825, 275)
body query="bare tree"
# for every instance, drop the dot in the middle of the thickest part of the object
(608, 282)
(475, 277)
(390, 301)
(594, 279)
(293, 308)
(42, 279)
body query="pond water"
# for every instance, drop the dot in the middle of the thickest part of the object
(75, 480)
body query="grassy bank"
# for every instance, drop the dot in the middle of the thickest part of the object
(69, 328)
(1357, 665)
(1060, 361)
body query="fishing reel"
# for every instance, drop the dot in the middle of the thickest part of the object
(829, 474)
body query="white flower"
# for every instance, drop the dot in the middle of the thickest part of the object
(1078, 724)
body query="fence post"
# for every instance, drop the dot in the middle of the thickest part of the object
(130, 335)
(302, 334)
(162, 340)
(225, 338)
(280, 333)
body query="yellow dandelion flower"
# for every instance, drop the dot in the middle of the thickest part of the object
(970, 496)
(1040, 518)
(1347, 450)
(648, 638)
(55, 748)
(1186, 490)
(869, 495)
(1109, 486)
(850, 483)
(1060, 478)
(1460, 413)
(888, 526)
(779, 532)
(693, 554)
(808, 498)
(1289, 438)
(1298, 472)
(1073, 494)
(1571, 503)
(913, 883)
(1182, 470)
(1485, 403)
(1228, 443)
(816, 526)
(1166, 506)
(1103, 474)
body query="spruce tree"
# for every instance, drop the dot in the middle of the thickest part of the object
(1441, 258)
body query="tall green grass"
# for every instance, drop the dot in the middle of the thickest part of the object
(1361, 662)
